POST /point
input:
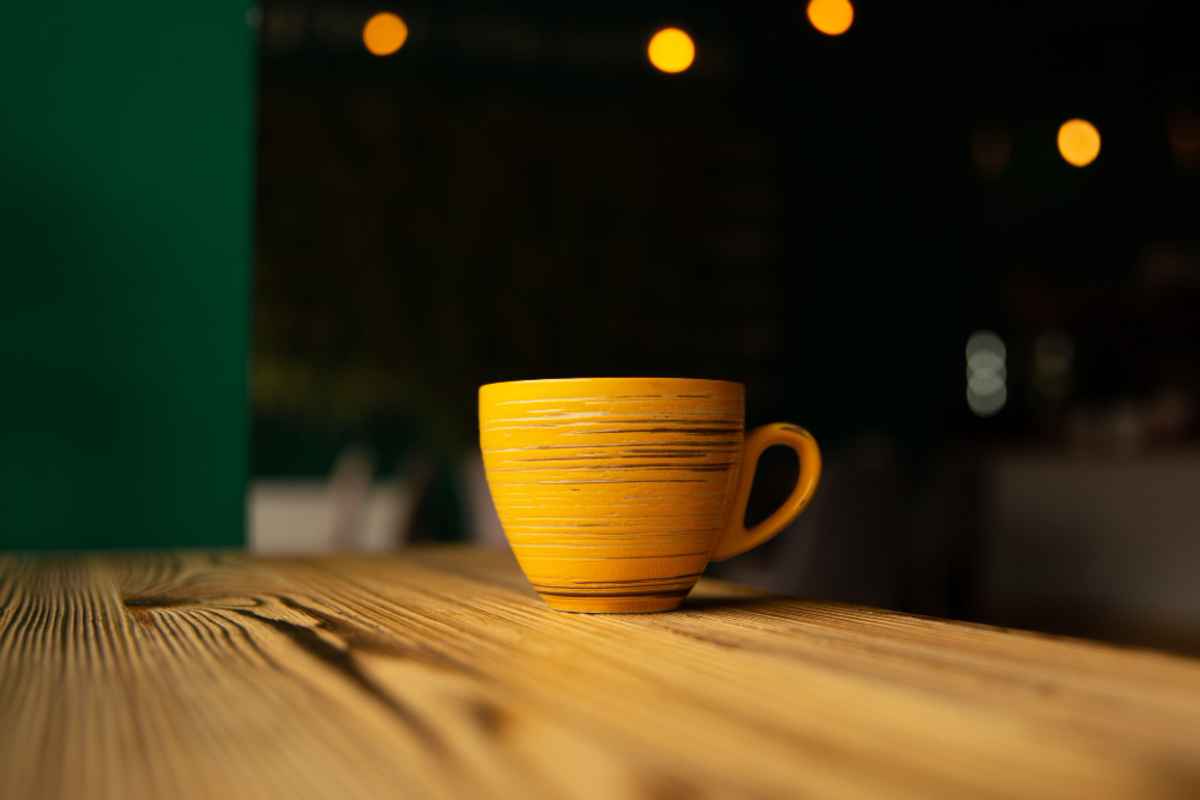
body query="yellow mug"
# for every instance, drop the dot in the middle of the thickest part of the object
(615, 493)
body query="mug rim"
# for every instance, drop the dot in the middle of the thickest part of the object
(606, 378)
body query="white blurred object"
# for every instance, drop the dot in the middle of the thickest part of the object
(987, 391)
(349, 512)
(304, 517)
(290, 517)
(349, 492)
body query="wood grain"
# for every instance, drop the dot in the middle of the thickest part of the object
(440, 674)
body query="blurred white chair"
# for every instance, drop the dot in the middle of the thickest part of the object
(352, 512)
(348, 512)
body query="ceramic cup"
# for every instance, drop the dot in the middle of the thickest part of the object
(615, 493)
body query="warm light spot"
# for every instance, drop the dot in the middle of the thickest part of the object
(1079, 142)
(831, 17)
(384, 33)
(671, 50)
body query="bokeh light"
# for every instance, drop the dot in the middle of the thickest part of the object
(831, 17)
(1078, 142)
(384, 33)
(987, 373)
(671, 50)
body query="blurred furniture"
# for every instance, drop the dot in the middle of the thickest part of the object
(355, 510)
(125, 238)
(306, 517)
(438, 673)
(349, 511)
(1094, 545)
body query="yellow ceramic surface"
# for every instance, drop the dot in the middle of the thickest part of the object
(615, 493)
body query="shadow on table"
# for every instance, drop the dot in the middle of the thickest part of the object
(728, 602)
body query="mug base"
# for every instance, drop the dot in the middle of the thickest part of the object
(628, 604)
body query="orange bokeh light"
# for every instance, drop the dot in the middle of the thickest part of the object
(384, 33)
(831, 17)
(1078, 142)
(671, 50)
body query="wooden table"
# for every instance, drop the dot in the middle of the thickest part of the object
(438, 673)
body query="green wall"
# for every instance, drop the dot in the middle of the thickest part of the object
(125, 219)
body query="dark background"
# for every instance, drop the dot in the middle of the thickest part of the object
(518, 193)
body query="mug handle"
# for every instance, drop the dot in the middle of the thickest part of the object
(737, 539)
